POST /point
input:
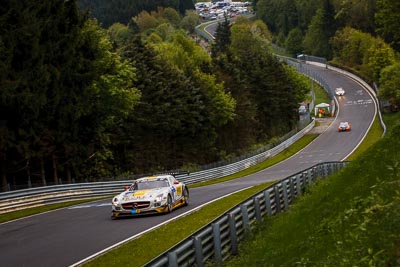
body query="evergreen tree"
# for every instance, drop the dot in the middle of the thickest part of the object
(63, 89)
(293, 43)
(321, 29)
(266, 96)
(222, 38)
(164, 117)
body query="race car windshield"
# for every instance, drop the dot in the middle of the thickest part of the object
(150, 184)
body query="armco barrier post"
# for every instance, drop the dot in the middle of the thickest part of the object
(267, 197)
(233, 234)
(285, 195)
(245, 218)
(172, 259)
(217, 243)
(292, 188)
(277, 199)
(198, 251)
(257, 209)
(299, 189)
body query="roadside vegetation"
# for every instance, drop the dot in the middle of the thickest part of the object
(287, 153)
(374, 135)
(349, 219)
(152, 244)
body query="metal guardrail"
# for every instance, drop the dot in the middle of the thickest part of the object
(301, 67)
(218, 240)
(39, 196)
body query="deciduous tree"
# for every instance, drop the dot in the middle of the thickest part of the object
(388, 21)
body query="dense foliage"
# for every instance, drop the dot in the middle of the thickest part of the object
(80, 102)
(267, 96)
(108, 12)
(62, 90)
(360, 36)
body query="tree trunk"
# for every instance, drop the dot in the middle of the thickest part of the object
(68, 173)
(4, 185)
(55, 176)
(42, 172)
(28, 173)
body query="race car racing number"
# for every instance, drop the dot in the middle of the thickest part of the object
(179, 190)
(135, 211)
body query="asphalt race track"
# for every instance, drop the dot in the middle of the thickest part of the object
(67, 236)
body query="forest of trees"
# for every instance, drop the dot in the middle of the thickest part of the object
(99, 89)
(108, 12)
(362, 35)
(81, 102)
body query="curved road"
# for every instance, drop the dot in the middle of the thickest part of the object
(67, 236)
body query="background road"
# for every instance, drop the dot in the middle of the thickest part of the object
(66, 236)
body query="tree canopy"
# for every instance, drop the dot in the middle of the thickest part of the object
(108, 12)
(82, 101)
(63, 89)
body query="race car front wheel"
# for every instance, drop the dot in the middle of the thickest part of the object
(169, 204)
(186, 196)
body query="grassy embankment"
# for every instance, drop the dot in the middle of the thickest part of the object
(350, 219)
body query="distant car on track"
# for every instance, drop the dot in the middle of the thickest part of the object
(152, 194)
(344, 126)
(339, 91)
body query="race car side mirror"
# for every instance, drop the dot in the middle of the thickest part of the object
(126, 187)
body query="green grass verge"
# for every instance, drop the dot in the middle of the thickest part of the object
(349, 219)
(374, 135)
(391, 119)
(146, 247)
(288, 152)
(320, 95)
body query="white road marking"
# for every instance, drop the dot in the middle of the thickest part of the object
(89, 206)
(150, 229)
(358, 102)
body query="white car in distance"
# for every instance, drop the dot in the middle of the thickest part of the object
(339, 91)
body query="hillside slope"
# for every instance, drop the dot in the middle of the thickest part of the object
(350, 219)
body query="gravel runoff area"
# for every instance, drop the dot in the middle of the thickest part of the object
(323, 124)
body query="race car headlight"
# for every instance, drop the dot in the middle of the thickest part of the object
(159, 198)
(115, 201)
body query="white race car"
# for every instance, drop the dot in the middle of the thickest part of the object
(339, 91)
(344, 126)
(153, 194)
